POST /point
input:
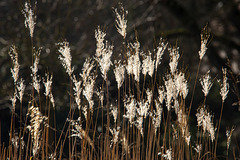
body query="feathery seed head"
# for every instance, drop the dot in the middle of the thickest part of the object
(86, 70)
(114, 111)
(204, 39)
(65, 57)
(161, 94)
(206, 83)
(182, 120)
(34, 68)
(204, 119)
(174, 56)
(115, 133)
(48, 84)
(14, 100)
(30, 18)
(149, 95)
(52, 99)
(168, 155)
(160, 50)
(181, 84)
(84, 109)
(130, 104)
(121, 21)
(198, 148)
(229, 136)
(119, 72)
(105, 60)
(21, 87)
(157, 116)
(88, 91)
(99, 36)
(14, 56)
(224, 85)
(35, 127)
(139, 123)
(79, 132)
(143, 108)
(77, 88)
(134, 64)
(142, 111)
(148, 65)
(129, 66)
(170, 89)
(48, 88)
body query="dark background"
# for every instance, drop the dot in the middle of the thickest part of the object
(179, 21)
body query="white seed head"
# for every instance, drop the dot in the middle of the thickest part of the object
(198, 148)
(115, 133)
(35, 127)
(99, 36)
(137, 63)
(52, 100)
(84, 109)
(14, 56)
(161, 94)
(129, 66)
(134, 64)
(88, 91)
(157, 116)
(131, 105)
(21, 88)
(121, 22)
(65, 57)
(143, 107)
(149, 95)
(170, 91)
(174, 56)
(119, 72)
(114, 112)
(34, 68)
(48, 84)
(160, 50)
(86, 70)
(148, 65)
(168, 155)
(30, 18)
(182, 121)
(14, 100)
(79, 132)
(105, 60)
(229, 136)
(206, 83)
(204, 119)
(48, 88)
(181, 84)
(224, 86)
(204, 39)
(77, 88)
(139, 124)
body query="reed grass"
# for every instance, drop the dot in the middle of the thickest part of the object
(148, 120)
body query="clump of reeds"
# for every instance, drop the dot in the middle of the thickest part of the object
(139, 124)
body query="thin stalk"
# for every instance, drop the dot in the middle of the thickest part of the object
(219, 123)
(194, 88)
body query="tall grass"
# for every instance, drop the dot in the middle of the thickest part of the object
(149, 119)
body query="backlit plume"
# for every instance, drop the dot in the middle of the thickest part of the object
(65, 57)
(206, 83)
(119, 72)
(14, 56)
(30, 18)
(204, 39)
(224, 85)
(121, 21)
